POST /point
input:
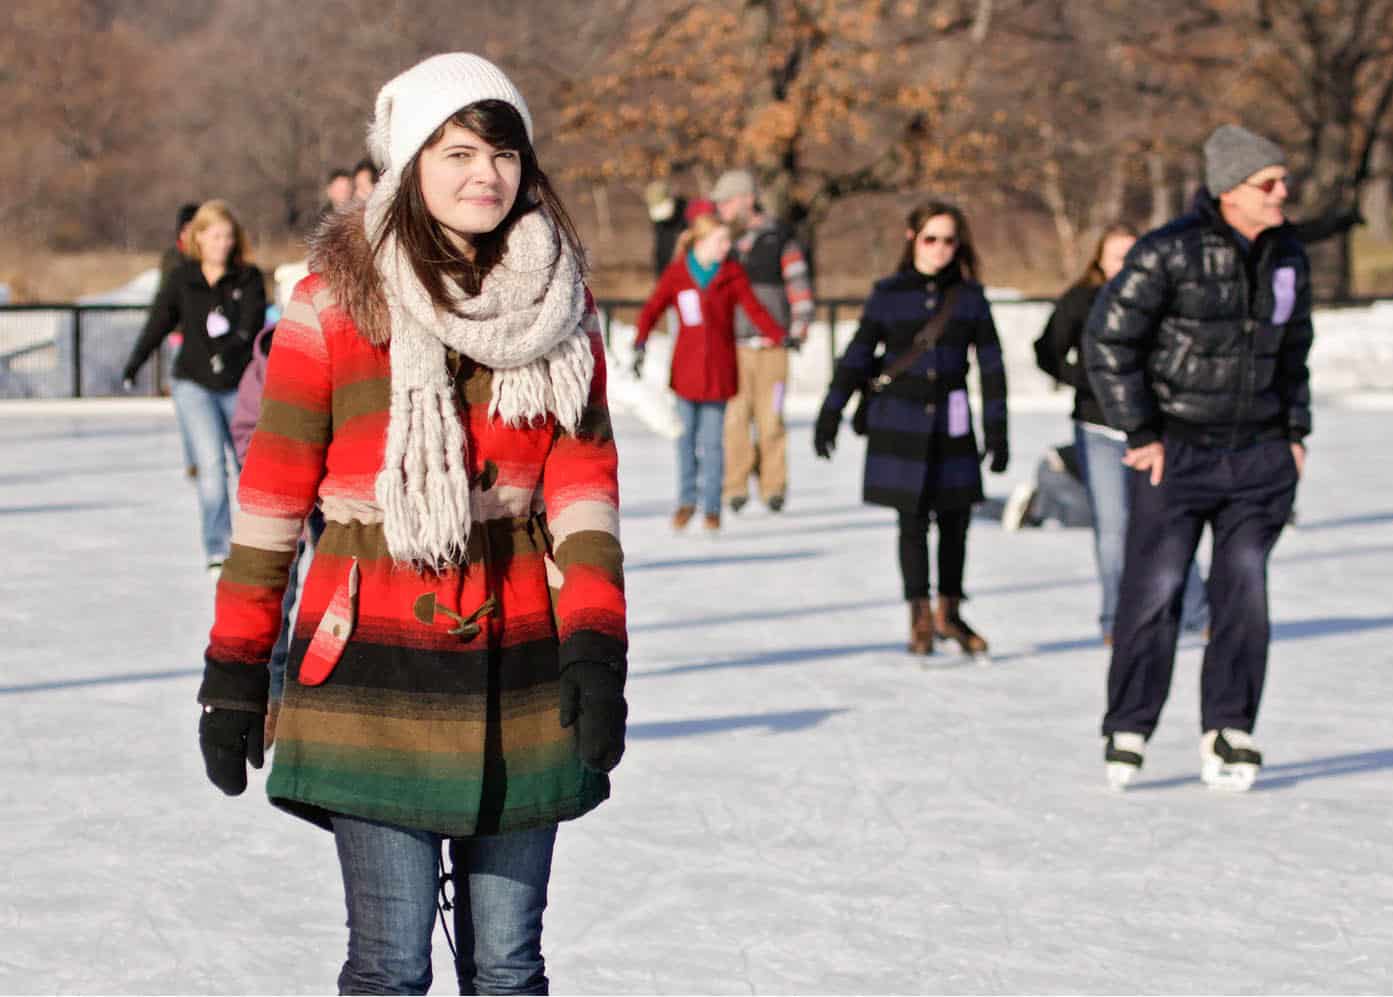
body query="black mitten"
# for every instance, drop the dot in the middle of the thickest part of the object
(1000, 453)
(592, 698)
(825, 433)
(229, 740)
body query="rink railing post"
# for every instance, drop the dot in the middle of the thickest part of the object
(77, 352)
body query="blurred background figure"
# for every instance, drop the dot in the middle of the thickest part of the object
(667, 213)
(364, 179)
(1099, 449)
(922, 459)
(778, 272)
(219, 301)
(705, 284)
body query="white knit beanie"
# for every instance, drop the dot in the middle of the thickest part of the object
(413, 105)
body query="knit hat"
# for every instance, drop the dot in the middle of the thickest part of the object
(697, 207)
(733, 183)
(413, 105)
(1232, 154)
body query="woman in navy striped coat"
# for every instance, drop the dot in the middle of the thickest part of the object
(922, 456)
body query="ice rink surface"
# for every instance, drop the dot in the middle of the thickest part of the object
(802, 808)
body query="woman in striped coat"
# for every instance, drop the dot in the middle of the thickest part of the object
(921, 455)
(457, 669)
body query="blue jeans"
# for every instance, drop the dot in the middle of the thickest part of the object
(391, 879)
(1108, 483)
(701, 454)
(207, 416)
(290, 602)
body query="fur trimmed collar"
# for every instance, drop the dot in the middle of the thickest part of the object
(341, 254)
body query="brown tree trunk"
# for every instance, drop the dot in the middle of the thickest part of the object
(1376, 200)
(1066, 232)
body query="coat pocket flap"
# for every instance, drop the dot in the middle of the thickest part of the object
(336, 626)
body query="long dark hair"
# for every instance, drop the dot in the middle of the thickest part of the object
(964, 258)
(1093, 275)
(433, 257)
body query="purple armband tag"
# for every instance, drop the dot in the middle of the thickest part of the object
(1283, 294)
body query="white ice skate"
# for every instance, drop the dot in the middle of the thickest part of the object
(1228, 760)
(1016, 513)
(1124, 752)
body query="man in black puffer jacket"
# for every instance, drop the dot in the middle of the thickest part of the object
(1197, 350)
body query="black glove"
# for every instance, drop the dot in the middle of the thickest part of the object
(229, 739)
(825, 433)
(592, 698)
(793, 345)
(637, 365)
(1000, 453)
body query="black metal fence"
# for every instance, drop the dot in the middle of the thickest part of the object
(78, 351)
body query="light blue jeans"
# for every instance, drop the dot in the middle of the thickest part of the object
(207, 417)
(1107, 477)
(391, 882)
(701, 454)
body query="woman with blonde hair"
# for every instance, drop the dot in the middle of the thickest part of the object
(1098, 448)
(705, 285)
(456, 675)
(219, 301)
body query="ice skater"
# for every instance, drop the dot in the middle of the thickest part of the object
(922, 458)
(1197, 351)
(1101, 449)
(457, 673)
(219, 301)
(705, 284)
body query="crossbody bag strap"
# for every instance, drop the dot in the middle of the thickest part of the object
(924, 340)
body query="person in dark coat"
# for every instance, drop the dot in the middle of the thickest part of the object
(219, 301)
(170, 260)
(1198, 351)
(1100, 449)
(922, 457)
(705, 284)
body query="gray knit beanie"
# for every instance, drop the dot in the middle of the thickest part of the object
(1232, 154)
(732, 183)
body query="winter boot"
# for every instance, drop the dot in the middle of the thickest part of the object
(1124, 752)
(921, 626)
(711, 522)
(1229, 760)
(950, 626)
(683, 516)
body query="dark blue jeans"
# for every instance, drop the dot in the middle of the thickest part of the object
(1245, 497)
(391, 879)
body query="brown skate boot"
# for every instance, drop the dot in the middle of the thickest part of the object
(683, 516)
(921, 626)
(950, 626)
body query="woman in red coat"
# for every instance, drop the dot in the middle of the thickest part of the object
(705, 287)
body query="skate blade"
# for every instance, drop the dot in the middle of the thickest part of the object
(1120, 775)
(1237, 778)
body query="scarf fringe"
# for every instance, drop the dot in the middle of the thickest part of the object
(423, 487)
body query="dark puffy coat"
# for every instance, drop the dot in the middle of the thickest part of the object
(1059, 350)
(916, 461)
(184, 302)
(1203, 339)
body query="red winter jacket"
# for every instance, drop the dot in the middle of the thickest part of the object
(703, 358)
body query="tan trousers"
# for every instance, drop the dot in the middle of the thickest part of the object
(759, 398)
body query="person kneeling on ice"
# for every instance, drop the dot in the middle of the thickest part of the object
(1197, 351)
(706, 285)
(921, 457)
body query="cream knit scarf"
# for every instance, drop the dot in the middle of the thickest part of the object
(525, 324)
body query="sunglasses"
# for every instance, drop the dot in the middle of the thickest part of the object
(1269, 185)
(949, 241)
